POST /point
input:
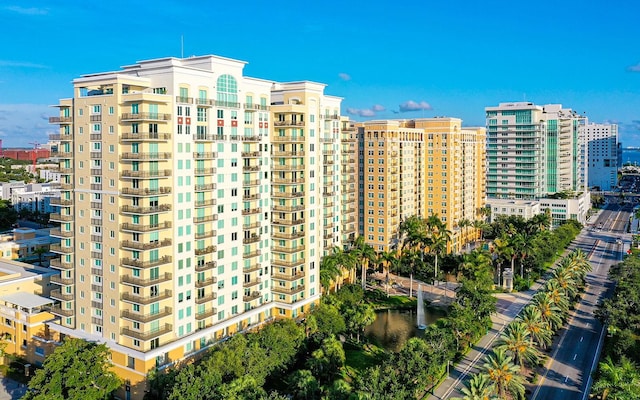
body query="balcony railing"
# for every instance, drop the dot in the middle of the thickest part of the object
(208, 312)
(252, 268)
(145, 116)
(204, 171)
(145, 156)
(146, 136)
(148, 335)
(250, 154)
(144, 318)
(61, 234)
(56, 248)
(145, 228)
(206, 218)
(60, 218)
(204, 187)
(145, 210)
(251, 254)
(293, 139)
(59, 264)
(251, 211)
(57, 310)
(146, 174)
(287, 263)
(278, 221)
(209, 297)
(206, 250)
(252, 296)
(137, 281)
(284, 290)
(58, 295)
(251, 283)
(138, 299)
(286, 249)
(288, 195)
(128, 244)
(60, 120)
(286, 235)
(288, 277)
(205, 155)
(145, 191)
(206, 266)
(132, 262)
(287, 208)
(206, 282)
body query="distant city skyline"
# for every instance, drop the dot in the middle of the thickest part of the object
(425, 59)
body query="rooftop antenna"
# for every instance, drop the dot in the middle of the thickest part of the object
(181, 46)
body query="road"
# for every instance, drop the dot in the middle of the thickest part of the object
(567, 374)
(567, 369)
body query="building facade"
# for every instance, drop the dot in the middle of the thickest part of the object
(196, 203)
(533, 153)
(603, 148)
(428, 166)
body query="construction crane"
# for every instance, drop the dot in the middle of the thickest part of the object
(34, 155)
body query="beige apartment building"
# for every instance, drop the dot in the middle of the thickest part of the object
(420, 167)
(196, 203)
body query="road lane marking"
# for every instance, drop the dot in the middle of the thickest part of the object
(574, 357)
(581, 338)
(566, 378)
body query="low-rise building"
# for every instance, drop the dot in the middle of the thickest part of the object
(23, 244)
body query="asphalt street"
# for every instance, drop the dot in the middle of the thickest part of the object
(574, 353)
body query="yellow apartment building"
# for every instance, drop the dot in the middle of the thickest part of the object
(24, 304)
(440, 167)
(196, 203)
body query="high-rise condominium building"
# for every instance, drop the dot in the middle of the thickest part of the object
(534, 152)
(196, 203)
(602, 153)
(429, 166)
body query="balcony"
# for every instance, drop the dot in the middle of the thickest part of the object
(205, 102)
(289, 291)
(289, 139)
(227, 104)
(287, 195)
(60, 120)
(60, 137)
(206, 282)
(288, 123)
(205, 155)
(59, 311)
(278, 167)
(142, 192)
(249, 197)
(145, 210)
(287, 208)
(285, 235)
(60, 234)
(144, 318)
(62, 154)
(204, 187)
(57, 201)
(145, 136)
(251, 283)
(209, 312)
(252, 268)
(184, 100)
(206, 250)
(58, 295)
(133, 262)
(203, 137)
(205, 203)
(139, 299)
(131, 245)
(59, 264)
(254, 107)
(145, 228)
(209, 297)
(252, 225)
(146, 174)
(287, 249)
(250, 138)
(204, 171)
(251, 254)
(254, 182)
(286, 181)
(207, 234)
(250, 154)
(288, 222)
(207, 218)
(206, 266)
(251, 211)
(137, 281)
(145, 117)
(148, 335)
(328, 193)
(250, 168)
(56, 248)
(145, 156)
(252, 239)
(288, 277)
(60, 217)
(252, 296)
(286, 263)
(328, 161)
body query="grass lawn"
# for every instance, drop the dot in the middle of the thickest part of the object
(380, 301)
(358, 359)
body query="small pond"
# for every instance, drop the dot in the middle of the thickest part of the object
(392, 328)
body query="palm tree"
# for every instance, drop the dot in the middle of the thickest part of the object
(463, 224)
(517, 342)
(480, 225)
(531, 318)
(549, 311)
(329, 272)
(504, 374)
(479, 387)
(364, 253)
(620, 381)
(346, 260)
(503, 251)
(438, 245)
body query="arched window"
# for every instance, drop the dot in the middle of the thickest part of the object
(227, 89)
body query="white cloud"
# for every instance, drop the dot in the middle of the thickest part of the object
(24, 123)
(20, 64)
(361, 112)
(411, 105)
(28, 11)
(344, 76)
(377, 108)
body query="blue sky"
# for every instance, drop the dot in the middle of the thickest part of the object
(387, 59)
